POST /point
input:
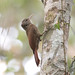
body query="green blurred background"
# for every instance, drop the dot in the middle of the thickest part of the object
(15, 54)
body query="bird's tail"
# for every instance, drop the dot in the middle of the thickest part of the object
(36, 57)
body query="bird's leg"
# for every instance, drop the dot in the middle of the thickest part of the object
(44, 32)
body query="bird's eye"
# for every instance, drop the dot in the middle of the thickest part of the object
(26, 25)
(26, 19)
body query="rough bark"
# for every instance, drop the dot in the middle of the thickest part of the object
(55, 41)
(72, 66)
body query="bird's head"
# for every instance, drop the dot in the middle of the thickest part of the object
(26, 22)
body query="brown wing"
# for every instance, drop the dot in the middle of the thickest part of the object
(33, 37)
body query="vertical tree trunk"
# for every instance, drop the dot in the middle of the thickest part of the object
(55, 41)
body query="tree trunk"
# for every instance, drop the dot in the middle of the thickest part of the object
(55, 41)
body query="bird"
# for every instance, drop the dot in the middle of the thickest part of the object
(33, 35)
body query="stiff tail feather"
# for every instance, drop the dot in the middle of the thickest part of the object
(36, 57)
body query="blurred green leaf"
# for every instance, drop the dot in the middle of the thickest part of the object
(57, 26)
